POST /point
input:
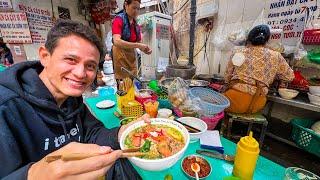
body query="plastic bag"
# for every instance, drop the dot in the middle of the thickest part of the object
(276, 44)
(220, 40)
(108, 42)
(191, 107)
(178, 95)
(178, 92)
(260, 20)
(300, 53)
(239, 36)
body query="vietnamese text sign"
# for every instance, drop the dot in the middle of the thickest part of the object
(14, 27)
(289, 15)
(40, 22)
(5, 5)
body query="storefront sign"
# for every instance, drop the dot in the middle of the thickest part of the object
(289, 15)
(40, 22)
(5, 5)
(14, 28)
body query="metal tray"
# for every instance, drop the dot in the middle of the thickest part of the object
(197, 83)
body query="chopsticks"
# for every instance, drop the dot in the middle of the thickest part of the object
(189, 128)
(133, 152)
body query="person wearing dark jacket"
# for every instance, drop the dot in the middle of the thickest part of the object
(42, 113)
(5, 54)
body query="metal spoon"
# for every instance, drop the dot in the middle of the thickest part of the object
(196, 169)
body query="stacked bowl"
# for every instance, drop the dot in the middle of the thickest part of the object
(314, 95)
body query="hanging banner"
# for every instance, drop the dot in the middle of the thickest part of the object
(14, 27)
(289, 15)
(5, 5)
(40, 22)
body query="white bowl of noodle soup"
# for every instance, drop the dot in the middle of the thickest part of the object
(161, 163)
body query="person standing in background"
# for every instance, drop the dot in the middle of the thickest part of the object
(5, 55)
(127, 37)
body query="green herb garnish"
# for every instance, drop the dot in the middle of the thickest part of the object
(146, 146)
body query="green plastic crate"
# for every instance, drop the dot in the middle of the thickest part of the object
(304, 136)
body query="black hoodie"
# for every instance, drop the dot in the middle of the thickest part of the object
(32, 125)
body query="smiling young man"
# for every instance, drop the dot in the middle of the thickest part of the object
(42, 113)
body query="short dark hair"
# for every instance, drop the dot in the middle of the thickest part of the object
(4, 47)
(129, 2)
(65, 27)
(259, 35)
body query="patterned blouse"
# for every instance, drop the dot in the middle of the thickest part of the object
(261, 66)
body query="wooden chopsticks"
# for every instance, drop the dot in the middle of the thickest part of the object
(133, 152)
(189, 128)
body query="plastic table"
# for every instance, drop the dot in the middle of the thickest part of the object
(265, 168)
(2, 67)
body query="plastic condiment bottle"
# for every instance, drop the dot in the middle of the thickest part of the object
(246, 157)
(108, 67)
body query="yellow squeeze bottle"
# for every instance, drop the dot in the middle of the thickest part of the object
(246, 157)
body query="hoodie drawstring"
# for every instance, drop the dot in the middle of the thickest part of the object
(80, 127)
(63, 126)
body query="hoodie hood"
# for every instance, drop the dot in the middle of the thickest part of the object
(23, 79)
(32, 125)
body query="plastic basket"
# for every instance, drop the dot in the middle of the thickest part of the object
(211, 102)
(311, 37)
(212, 121)
(305, 137)
(131, 109)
